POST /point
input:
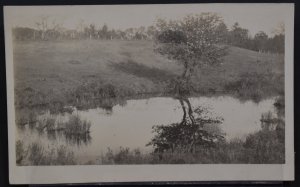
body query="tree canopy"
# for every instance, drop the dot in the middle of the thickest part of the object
(192, 41)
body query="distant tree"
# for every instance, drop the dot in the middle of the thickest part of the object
(90, 31)
(223, 32)
(104, 32)
(120, 34)
(80, 28)
(42, 26)
(260, 41)
(23, 33)
(280, 29)
(112, 34)
(276, 44)
(47, 29)
(239, 36)
(150, 32)
(129, 33)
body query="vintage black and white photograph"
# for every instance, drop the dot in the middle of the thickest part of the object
(148, 84)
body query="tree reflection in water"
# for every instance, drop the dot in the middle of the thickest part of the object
(193, 131)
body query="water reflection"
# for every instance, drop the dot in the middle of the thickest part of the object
(59, 136)
(131, 125)
(79, 139)
(188, 134)
(83, 139)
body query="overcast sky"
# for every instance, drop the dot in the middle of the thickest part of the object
(254, 17)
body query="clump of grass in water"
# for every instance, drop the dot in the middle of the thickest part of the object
(75, 125)
(50, 124)
(47, 124)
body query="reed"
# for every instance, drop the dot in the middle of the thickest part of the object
(75, 125)
(35, 154)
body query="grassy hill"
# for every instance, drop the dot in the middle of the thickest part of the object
(47, 72)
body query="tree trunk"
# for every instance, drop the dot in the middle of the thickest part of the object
(184, 111)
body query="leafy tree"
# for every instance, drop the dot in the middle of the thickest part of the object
(193, 42)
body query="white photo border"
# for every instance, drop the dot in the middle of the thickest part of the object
(151, 173)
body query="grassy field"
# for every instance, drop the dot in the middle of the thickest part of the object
(70, 72)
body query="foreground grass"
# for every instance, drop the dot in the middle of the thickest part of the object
(35, 154)
(87, 74)
(263, 147)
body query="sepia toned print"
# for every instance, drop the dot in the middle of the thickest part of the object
(197, 86)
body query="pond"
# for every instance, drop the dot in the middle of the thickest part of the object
(130, 125)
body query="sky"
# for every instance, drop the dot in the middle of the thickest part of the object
(254, 17)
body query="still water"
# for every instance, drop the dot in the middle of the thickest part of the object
(130, 125)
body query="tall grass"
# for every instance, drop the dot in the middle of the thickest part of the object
(75, 125)
(35, 154)
(26, 117)
(263, 147)
(124, 156)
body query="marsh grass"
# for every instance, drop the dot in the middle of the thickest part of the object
(35, 154)
(76, 126)
(73, 126)
(124, 156)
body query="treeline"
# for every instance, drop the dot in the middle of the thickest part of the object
(261, 42)
(88, 32)
(235, 36)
